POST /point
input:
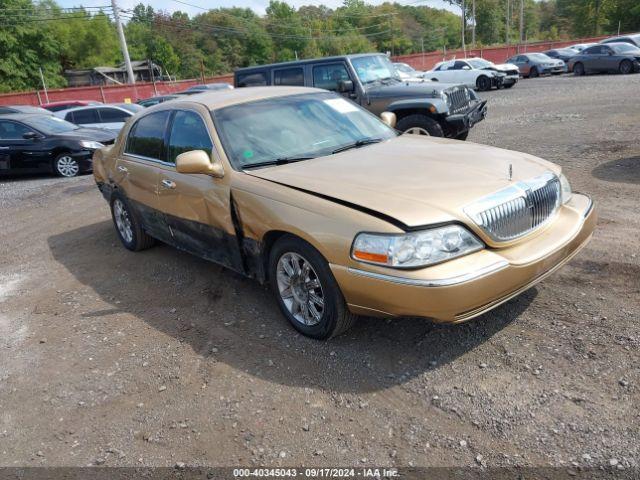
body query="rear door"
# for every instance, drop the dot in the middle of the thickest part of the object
(19, 154)
(138, 169)
(593, 60)
(196, 208)
(112, 118)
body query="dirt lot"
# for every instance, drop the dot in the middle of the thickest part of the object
(113, 358)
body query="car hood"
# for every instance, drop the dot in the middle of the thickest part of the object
(413, 179)
(91, 134)
(409, 89)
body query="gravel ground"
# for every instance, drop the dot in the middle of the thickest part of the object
(158, 358)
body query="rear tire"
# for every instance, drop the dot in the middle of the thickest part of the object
(626, 67)
(483, 83)
(127, 225)
(578, 69)
(306, 291)
(533, 73)
(420, 125)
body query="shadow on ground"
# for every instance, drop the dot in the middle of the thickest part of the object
(623, 170)
(230, 319)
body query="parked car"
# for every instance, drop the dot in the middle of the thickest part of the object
(581, 46)
(109, 117)
(22, 109)
(564, 54)
(465, 73)
(371, 80)
(342, 216)
(150, 102)
(533, 65)
(66, 104)
(407, 72)
(633, 39)
(42, 142)
(206, 87)
(611, 57)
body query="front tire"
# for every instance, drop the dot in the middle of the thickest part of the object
(64, 165)
(509, 85)
(533, 73)
(420, 125)
(578, 69)
(483, 83)
(306, 291)
(626, 67)
(128, 227)
(462, 136)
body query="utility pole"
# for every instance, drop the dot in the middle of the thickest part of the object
(508, 15)
(473, 31)
(123, 42)
(521, 21)
(44, 85)
(464, 49)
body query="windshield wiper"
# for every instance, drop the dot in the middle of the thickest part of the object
(357, 144)
(277, 161)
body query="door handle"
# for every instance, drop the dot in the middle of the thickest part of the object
(123, 169)
(168, 184)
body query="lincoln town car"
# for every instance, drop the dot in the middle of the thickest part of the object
(337, 211)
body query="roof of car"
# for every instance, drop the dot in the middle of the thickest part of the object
(88, 107)
(213, 99)
(21, 117)
(310, 60)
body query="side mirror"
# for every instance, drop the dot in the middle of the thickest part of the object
(389, 118)
(345, 86)
(198, 161)
(30, 136)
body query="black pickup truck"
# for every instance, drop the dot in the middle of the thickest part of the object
(371, 80)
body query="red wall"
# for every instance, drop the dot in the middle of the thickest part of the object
(110, 94)
(139, 91)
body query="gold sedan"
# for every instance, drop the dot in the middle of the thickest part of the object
(305, 190)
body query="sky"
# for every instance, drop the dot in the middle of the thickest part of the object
(258, 6)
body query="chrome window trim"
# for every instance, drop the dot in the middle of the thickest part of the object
(441, 282)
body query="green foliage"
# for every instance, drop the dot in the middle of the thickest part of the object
(40, 34)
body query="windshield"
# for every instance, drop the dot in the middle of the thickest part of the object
(132, 107)
(374, 68)
(479, 63)
(540, 57)
(50, 125)
(294, 127)
(402, 67)
(624, 48)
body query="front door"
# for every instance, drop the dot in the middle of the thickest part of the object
(196, 208)
(138, 169)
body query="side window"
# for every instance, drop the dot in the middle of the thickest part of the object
(188, 132)
(592, 50)
(83, 116)
(257, 79)
(459, 65)
(109, 115)
(289, 76)
(12, 131)
(328, 76)
(146, 137)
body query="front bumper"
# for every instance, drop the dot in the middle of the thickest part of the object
(462, 122)
(466, 287)
(84, 159)
(555, 70)
(510, 79)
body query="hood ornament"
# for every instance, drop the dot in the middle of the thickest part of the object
(510, 171)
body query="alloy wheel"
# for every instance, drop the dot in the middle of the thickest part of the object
(67, 166)
(123, 221)
(300, 288)
(417, 131)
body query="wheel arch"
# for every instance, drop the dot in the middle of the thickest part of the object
(270, 238)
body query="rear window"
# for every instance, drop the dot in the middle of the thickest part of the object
(146, 137)
(257, 79)
(83, 117)
(289, 76)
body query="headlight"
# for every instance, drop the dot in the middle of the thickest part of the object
(565, 189)
(415, 249)
(91, 145)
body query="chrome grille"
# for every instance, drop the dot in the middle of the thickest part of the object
(517, 209)
(458, 99)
